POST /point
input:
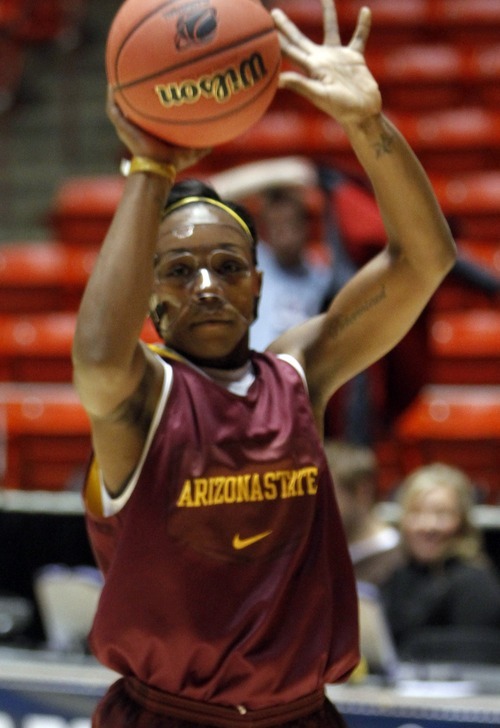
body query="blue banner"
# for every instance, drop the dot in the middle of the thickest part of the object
(25, 708)
(380, 721)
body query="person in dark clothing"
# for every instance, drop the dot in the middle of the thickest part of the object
(444, 602)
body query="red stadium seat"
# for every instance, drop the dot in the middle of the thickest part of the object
(37, 347)
(288, 132)
(433, 75)
(45, 433)
(455, 294)
(483, 13)
(447, 141)
(419, 76)
(401, 22)
(457, 424)
(42, 276)
(453, 141)
(483, 66)
(464, 347)
(359, 221)
(83, 207)
(464, 22)
(473, 199)
(271, 136)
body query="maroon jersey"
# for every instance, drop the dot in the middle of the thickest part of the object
(228, 578)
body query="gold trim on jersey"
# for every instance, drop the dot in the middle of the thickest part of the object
(92, 490)
(165, 352)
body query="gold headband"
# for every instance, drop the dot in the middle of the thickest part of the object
(209, 201)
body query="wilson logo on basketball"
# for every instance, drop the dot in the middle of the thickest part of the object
(196, 28)
(220, 86)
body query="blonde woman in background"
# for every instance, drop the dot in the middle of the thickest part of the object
(444, 602)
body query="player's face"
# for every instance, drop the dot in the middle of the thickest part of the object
(206, 284)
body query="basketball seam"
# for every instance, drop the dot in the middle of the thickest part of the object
(220, 50)
(138, 24)
(208, 119)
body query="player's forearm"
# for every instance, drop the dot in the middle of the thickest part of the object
(115, 301)
(415, 224)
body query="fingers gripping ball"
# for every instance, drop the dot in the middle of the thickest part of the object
(195, 73)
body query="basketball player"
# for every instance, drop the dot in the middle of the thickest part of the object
(229, 597)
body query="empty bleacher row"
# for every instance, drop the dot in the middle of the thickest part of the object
(447, 141)
(424, 76)
(438, 65)
(406, 21)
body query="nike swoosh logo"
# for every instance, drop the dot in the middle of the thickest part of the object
(243, 543)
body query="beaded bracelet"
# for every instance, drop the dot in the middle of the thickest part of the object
(145, 164)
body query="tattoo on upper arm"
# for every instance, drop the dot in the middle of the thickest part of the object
(384, 145)
(343, 322)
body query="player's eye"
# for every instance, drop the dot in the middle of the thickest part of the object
(229, 265)
(174, 270)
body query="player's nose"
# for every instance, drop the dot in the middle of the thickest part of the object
(206, 287)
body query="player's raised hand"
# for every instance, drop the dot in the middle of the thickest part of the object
(334, 77)
(140, 142)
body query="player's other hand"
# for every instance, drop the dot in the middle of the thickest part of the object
(334, 77)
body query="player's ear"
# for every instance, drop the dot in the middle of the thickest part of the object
(258, 277)
(256, 293)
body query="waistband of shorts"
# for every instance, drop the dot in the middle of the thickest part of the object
(221, 716)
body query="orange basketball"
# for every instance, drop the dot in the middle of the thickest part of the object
(196, 73)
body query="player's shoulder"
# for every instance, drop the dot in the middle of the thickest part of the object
(283, 358)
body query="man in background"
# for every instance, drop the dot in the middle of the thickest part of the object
(374, 546)
(295, 285)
